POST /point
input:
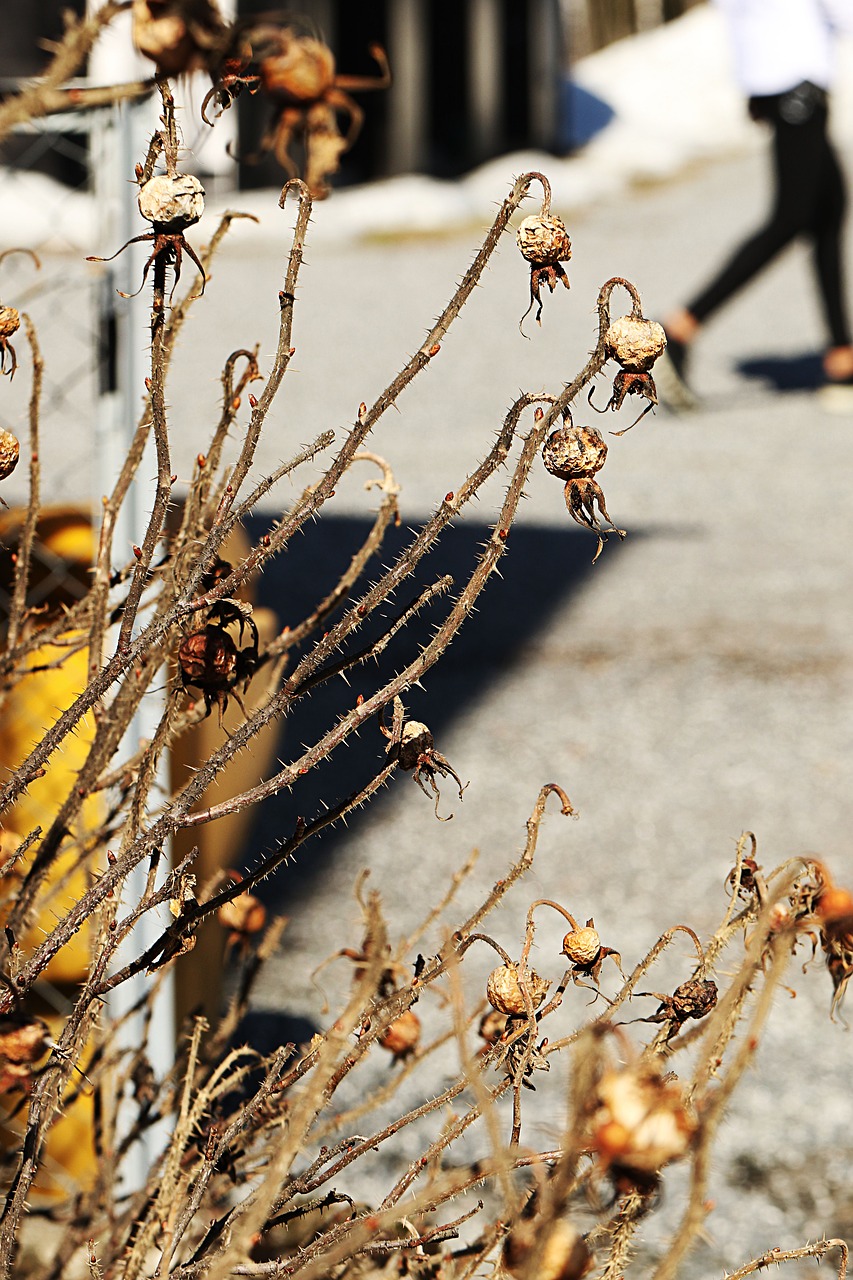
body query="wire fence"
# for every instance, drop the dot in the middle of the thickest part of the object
(48, 210)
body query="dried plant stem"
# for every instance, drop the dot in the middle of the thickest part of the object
(773, 1257)
(28, 533)
(40, 98)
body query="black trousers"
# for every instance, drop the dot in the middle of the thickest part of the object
(809, 200)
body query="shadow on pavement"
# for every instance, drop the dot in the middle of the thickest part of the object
(784, 373)
(543, 567)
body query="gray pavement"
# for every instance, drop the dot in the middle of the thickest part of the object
(695, 683)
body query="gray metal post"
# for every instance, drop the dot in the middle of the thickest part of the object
(118, 141)
(407, 108)
(546, 63)
(485, 44)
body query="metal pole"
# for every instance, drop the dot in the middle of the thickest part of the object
(484, 77)
(408, 105)
(119, 140)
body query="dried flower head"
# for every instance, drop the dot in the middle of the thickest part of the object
(504, 991)
(10, 450)
(297, 73)
(177, 35)
(170, 202)
(572, 451)
(641, 1122)
(635, 342)
(417, 754)
(564, 1255)
(402, 1037)
(544, 242)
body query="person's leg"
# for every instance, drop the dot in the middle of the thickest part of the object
(829, 269)
(798, 156)
(797, 159)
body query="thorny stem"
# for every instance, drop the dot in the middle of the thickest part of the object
(40, 97)
(773, 1257)
(28, 533)
(186, 602)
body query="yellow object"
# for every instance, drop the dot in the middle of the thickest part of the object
(61, 559)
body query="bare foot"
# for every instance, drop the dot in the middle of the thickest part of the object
(838, 364)
(681, 325)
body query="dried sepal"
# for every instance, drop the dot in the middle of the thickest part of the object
(583, 495)
(635, 342)
(504, 991)
(628, 383)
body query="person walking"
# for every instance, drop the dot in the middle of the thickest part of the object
(784, 52)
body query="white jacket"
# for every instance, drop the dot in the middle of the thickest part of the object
(778, 44)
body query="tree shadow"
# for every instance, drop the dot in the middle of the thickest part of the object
(543, 567)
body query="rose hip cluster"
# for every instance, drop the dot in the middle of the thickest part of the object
(576, 453)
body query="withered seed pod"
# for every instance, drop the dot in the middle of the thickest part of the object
(635, 342)
(402, 1037)
(582, 946)
(10, 451)
(172, 203)
(565, 1254)
(10, 321)
(503, 990)
(208, 658)
(544, 240)
(694, 998)
(23, 1039)
(574, 451)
